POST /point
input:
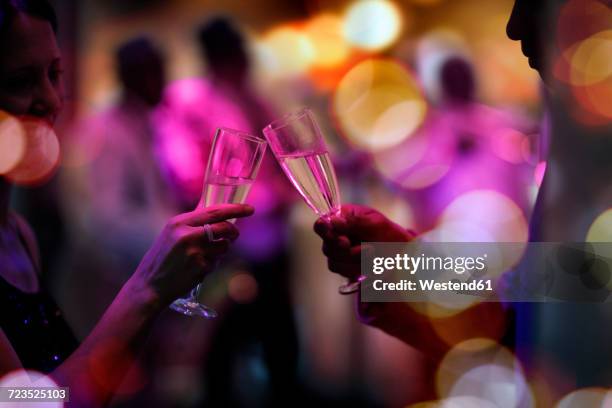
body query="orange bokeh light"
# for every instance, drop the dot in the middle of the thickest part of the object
(41, 156)
(12, 142)
(325, 35)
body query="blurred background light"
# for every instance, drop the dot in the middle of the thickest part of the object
(467, 355)
(587, 67)
(508, 144)
(584, 39)
(41, 157)
(590, 60)
(482, 216)
(601, 229)
(580, 19)
(286, 51)
(372, 24)
(242, 288)
(394, 162)
(425, 176)
(12, 142)
(588, 398)
(538, 173)
(505, 387)
(325, 34)
(378, 104)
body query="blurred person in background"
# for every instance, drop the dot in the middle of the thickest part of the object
(574, 192)
(33, 332)
(470, 145)
(258, 328)
(116, 201)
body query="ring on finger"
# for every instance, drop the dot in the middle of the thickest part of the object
(209, 232)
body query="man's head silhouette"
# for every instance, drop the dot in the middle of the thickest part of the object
(547, 28)
(528, 24)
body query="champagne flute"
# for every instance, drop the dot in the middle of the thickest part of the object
(298, 145)
(233, 163)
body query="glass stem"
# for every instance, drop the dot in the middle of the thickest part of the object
(196, 292)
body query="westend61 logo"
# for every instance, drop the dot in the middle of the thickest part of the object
(487, 271)
(413, 264)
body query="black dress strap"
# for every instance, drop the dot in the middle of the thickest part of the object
(34, 324)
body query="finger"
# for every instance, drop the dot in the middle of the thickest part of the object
(340, 225)
(216, 248)
(322, 227)
(213, 214)
(210, 251)
(220, 230)
(197, 255)
(341, 252)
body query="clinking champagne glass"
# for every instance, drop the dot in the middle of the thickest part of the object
(233, 163)
(298, 145)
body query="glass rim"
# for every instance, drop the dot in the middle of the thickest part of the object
(243, 134)
(284, 121)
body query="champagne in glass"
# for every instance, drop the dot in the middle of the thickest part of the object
(233, 164)
(226, 190)
(297, 144)
(312, 174)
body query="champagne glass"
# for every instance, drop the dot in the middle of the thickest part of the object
(298, 145)
(233, 163)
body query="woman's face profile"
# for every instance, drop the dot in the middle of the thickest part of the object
(30, 69)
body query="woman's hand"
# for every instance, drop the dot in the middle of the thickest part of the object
(183, 254)
(343, 234)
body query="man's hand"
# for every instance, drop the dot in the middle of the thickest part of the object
(343, 234)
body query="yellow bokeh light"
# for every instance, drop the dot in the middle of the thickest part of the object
(468, 355)
(590, 61)
(378, 104)
(12, 142)
(480, 216)
(395, 162)
(587, 397)
(504, 387)
(601, 229)
(585, 64)
(325, 35)
(286, 51)
(372, 24)
(483, 216)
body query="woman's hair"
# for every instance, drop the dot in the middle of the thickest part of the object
(42, 9)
